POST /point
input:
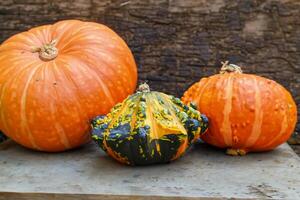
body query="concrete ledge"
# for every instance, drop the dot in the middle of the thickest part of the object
(203, 173)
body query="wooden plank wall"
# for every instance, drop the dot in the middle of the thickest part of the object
(176, 42)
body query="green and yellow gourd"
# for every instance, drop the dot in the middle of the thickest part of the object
(148, 127)
(2, 137)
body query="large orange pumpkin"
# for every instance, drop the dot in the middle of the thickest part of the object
(246, 112)
(55, 78)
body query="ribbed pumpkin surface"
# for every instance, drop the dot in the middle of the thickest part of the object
(55, 78)
(246, 112)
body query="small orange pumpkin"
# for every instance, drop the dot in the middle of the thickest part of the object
(55, 78)
(246, 112)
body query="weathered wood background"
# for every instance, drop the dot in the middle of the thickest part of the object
(176, 42)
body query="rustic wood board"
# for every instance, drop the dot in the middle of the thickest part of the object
(203, 173)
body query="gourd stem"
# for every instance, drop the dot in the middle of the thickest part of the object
(230, 68)
(47, 51)
(144, 87)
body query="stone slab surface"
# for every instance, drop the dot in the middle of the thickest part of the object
(203, 173)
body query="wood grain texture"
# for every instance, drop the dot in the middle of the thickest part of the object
(177, 42)
(89, 173)
(53, 196)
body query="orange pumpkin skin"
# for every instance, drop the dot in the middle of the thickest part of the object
(246, 112)
(55, 78)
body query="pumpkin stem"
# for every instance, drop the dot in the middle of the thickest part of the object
(144, 87)
(47, 51)
(236, 152)
(230, 68)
